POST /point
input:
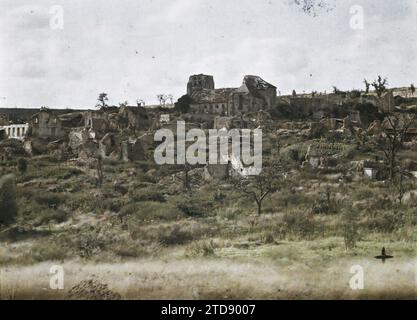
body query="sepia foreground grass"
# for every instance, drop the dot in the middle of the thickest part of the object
(288, 270)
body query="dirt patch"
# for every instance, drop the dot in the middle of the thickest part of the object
(92, 290)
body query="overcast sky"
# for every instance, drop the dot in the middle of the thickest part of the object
(139, 48)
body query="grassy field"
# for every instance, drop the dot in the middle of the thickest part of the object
(145, 237)
(297, 270)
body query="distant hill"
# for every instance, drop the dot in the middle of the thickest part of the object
(21, 115)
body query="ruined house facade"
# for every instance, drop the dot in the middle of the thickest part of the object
(45, 124)
(253, 95)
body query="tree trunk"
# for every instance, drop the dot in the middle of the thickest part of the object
(391, 167)
(259, 203)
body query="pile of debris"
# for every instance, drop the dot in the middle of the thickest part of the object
(92, 290)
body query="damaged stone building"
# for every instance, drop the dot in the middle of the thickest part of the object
(254, 94)
(46, 124)
(108, 133)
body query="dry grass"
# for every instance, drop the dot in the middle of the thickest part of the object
(263, 276)
(146, 248)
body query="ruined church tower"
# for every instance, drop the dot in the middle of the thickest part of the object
(198, 82)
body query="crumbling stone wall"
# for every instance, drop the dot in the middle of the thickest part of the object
(46, 125)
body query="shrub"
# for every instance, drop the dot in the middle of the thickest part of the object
(200, 249)
(147, 195)
(195, 205)
(299, 223)
(114, 204)
(350, 228)
(60, 173)
(219, 197)
(49, 215)
(8, 205)
(51, 200)
(173, 235)
(90, 243)
(190, 209)
(86, 202)
(47, 251)
(386, 222)
(148, 210)
(364, 193)
(129, 250)
(22, 165)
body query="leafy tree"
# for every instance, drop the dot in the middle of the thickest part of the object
(183, 104)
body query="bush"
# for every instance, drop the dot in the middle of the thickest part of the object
(129, 250)
(173, 236)
(386, 222)
(86, 202)
(8, 205)
(49, 215)
(151, 211)
(350, 229)
(22, 165)
(200, 249)
(50, 200)
(190, 209)
(299, 223)
(114, 204)
(147, 195)
(195, 205)
(90, 243)
(47, 251)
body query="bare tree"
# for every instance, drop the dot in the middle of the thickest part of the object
(102, 100)
(100, 175)
(186, 168)
(170, 97)
(162, 99)
(260, 186)
(380, 85)
(123, 104)
(412, 88)
(140, 103)
(367, 86)
(400, 185)
(395, 128)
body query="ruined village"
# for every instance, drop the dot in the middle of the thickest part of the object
(338, 183)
